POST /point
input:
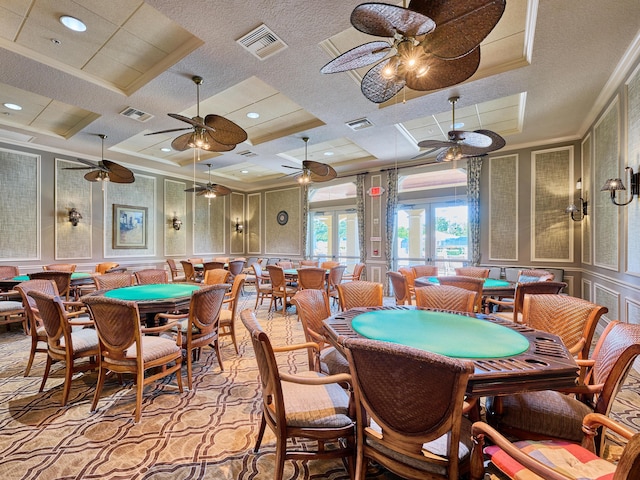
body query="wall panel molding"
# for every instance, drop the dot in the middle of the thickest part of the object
(209, 225)
(283, 239)
(72, 191)
(608, 298)
(236, 213)
(253, 223)
(586, 193)
(632, 210)
(503, 208)
(175, 205)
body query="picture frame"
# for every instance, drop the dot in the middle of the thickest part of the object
(129, 227)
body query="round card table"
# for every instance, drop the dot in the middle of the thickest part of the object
(492, 286)
(508, 357)
(77, 278)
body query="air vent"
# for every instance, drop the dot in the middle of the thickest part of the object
(359, 124)
(247, 153)
(262, 42)
(136, 114)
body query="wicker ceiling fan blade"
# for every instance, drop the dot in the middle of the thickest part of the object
(224, 130)
(94, 176)
(330, 175)
(288, 166)
(168, 131)
(497, 142)
(197, 188)
(376, 87)
(317, 168)
(181, 143)
(212, 145)
(434, 144)
(358, 57)
(443, 72)
(195, 121)
(220, 190)
(384, 20)
(117, 170)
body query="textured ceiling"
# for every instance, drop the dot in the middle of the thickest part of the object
(542, 71)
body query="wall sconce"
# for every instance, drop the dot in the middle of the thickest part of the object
(581, 209)
(615, 184)
(74, 216)
(176, 223)
(239, 226)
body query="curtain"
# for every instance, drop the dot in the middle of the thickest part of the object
(305, 220)
(362, 242)
(392, 204)
(474, 166)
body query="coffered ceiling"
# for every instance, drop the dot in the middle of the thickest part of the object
(542, 70)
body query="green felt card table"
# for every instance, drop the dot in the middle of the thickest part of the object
(77, 278)
(508, 357)
(154, 298)
(493, 287)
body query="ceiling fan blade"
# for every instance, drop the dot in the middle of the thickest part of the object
(434, 144)
(214, 146)
(317, 168)
(118, 171)
(444, 73)
(168, 131)
(357, 57)
(220, 190)
(471, 139)
(113, 178)
(93, 176)
(181, 143)
(224, 130)
(195, 121)
(425, 154)
(461, 24)
(88, 164)
(384, 20)
(197, 188)
(295, 168)
(377, 88)
(79, 168)
(497, 142)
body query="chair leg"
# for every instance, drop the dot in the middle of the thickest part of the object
(68, 377)
(46, 373)
(263, 425)
(281, 449)
(102, 375)
(139, 391)
(32, 354)
(216, 348)
(190, 371)
(179, 375)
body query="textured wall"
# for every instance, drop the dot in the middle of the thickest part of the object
(587, 189)
(236, 213)
(633, 160)
(20, 200)
(552, 239)
(141, 193)
(283, 239)
(503, 213)
(175, 205)
(608, 298)
(606, 165)
(72, 190)
(209, 225)
(253, 223)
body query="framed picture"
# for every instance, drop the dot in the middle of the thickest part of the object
(129, 226)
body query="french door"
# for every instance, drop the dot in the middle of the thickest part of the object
(333, 235)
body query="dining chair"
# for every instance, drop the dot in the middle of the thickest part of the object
(400, 288)
(511, 309)
(408, 273)
(196, 260)
(424, 270)
(477, 272)
(151, 276)
(409, 405)
(312, 277)
(109, 281)
(62, 279)
(334, 279)
(329, 264)
(286, 265)
(310, 405)
(559, 414)
(189, 271)
(358, 270)
(175, 273)
(228, 315)
(313, 307)
(124, 347)
(104, 266)
(359, 294)
(60, 267)
(263, 285)
(552, 459)
(309, 263)
(446, 297)
(223, 260)
(535, 275)
(212, 266)
(216, 276)
(65, 344)
(279, 288)
(13, 312)
(8, 271)
(475, 284)
(235, 268)
(199, 327)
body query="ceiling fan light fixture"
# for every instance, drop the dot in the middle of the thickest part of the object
(453, 153)
(209, 194)
(390, 71)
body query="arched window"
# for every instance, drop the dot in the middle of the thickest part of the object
(332, 192)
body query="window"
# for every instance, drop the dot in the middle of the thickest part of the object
(334, 236)
(332, 192)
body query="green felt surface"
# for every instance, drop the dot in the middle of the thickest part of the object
(294, 271)
(74, 276)
(448, 334)
(488, 282)
(161, 291)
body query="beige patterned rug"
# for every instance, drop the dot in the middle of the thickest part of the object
(207, 433)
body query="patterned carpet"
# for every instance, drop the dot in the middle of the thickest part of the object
(207, 433)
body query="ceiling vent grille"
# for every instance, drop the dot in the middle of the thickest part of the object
(262, 42)
(136, 114)
(247, 153)
(359, 124)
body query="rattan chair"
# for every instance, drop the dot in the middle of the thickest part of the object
(190, 271)
(62, 279)
(102, 268)
(475, 284)
(313, 307)
(312, 277)
(424, 270)
(196, 260)
(223, 260)
(60, 267)
(151, 276)
(199, 327)
(235, 268)
(409, 406)
(554, 414)
(334, 279)
(286, 265)
(400, 288)
(8, 271)
(309, 263)
(279, 288)
(216, 276)
(124, 349)
(358, 270)
(109, 281)
(212, 266)
(553, 460)
(175, 273)
(477, 272)
(359, 294)
(263, 285)
(310, 405)
(64, 343)
(411, 278)
(228, 315)
(329, 264)
(511, 309)
(446, 297)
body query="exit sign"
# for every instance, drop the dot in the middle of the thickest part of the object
(376, 191)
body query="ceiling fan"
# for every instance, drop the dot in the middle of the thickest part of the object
(312, 171)
(212, 133)
(463, 144)
(105, 170)
(210, 190)
(432, 44)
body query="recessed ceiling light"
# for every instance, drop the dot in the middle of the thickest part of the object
(165, 149)
(244, 171)
(12, 106)
(73, 23)
(253, 115)
(328, 154)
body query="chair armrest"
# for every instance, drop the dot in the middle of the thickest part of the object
(161, 328)
(577, 348)
(81, 323)
(592, 421)
(172, 316)
(298, 346)
(322, 380)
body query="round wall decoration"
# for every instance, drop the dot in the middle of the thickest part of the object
(283, 217)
